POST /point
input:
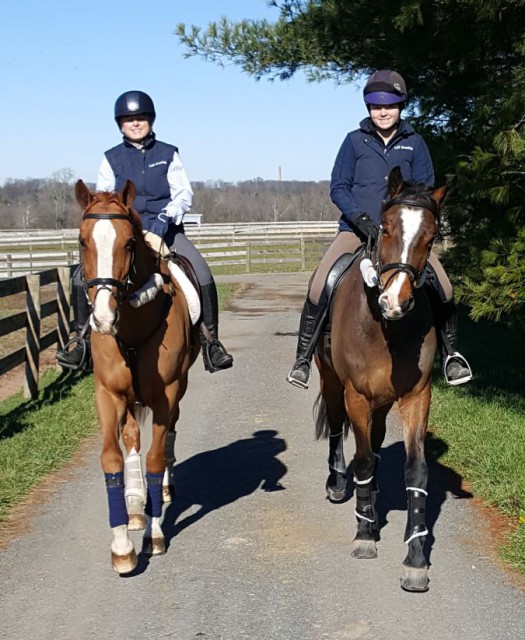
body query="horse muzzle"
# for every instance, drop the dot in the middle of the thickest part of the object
(106, 324)
(392, 308)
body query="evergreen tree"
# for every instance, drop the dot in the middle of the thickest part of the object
(463, 61)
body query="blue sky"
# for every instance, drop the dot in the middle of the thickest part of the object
(63, 63)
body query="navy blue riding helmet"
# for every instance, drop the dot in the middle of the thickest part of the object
(133, 103)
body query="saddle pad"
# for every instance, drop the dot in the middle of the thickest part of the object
(192, 296)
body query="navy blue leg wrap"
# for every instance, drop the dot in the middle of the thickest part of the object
(154, 501)
(118, 514)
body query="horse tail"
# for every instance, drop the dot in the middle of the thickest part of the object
(322, 424)
(141, 414)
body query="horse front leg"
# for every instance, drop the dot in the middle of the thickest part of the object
(364, 466)
(415, 416)
(111, 411)
(135, 489)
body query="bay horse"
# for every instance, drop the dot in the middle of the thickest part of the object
(141, 354)
(382, 350)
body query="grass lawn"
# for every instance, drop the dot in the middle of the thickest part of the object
(483, 424)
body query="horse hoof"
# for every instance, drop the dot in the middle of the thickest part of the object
(168, 494)
(364, 549)
(415, 579)
(137, 522)
(335, 495)
(124, 564)
(153, 546)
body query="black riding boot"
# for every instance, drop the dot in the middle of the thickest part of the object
(310, 325)
(78, 358)
(214, 354)
(456, 369)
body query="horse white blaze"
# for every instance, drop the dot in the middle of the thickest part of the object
(104, 236)
(411, 221)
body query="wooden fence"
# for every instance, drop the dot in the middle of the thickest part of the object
(245, 246)
(30, 320)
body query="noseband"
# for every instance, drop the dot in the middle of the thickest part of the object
(415, 277)
(108, 283)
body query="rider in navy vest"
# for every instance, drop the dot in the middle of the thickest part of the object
(359, 188)
(163, 196)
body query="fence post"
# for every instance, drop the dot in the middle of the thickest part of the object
(34, 314)
(9, 265)
(64, 302)
(248, 251)
(303, 253)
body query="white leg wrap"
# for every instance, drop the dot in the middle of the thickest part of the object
(133, 476)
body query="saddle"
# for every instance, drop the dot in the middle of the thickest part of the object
(335, 276)
(180, 269)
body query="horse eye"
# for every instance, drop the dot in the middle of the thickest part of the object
(82, 243)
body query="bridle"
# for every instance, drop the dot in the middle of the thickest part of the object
(108, 283)
(416, 277)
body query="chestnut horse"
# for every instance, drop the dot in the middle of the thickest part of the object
(382, 350)
(141, 354)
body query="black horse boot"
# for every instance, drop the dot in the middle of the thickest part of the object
(214, 354)
(310, 325)
(456, 369)
(78, 358)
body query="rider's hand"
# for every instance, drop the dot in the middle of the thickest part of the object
(366, 226)
(176, 218)
(159, 226)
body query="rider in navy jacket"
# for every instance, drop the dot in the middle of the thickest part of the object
(163, 196)
(358, 188)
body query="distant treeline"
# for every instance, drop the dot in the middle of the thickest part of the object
(50, 203)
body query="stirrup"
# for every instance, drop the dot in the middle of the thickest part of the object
(206, 354)
(299, 383)
(457, 357)
(61, 355)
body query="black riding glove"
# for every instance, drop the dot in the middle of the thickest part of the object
(366, 226)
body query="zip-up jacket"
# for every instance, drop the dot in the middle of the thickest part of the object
(363, 164)
(156, 170)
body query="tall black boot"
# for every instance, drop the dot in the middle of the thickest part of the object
(456, 369)
(310, 325)
(76, 354)
(213, 352)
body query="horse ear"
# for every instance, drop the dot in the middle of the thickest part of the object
(439, 194)
(395, 182)
(82, 194)
(128, 194)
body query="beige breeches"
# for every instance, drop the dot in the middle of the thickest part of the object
(347, 242)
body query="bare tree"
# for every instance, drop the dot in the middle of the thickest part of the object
(60, 187)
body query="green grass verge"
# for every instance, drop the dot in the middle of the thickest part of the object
(483, 424)
(40, 436)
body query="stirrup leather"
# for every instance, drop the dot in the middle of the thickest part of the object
(457, 357)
